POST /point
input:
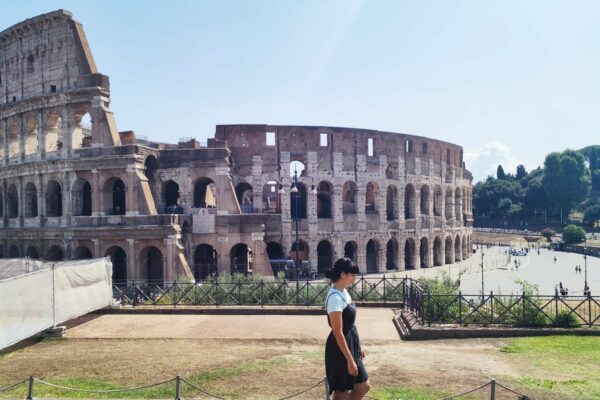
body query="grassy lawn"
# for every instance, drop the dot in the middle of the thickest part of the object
(575, 359)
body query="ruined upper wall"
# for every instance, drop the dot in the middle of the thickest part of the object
(44, 54)
(246, 141)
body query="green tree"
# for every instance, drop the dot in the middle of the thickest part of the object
(596, 180)
(573, 234)
(500, 173)
(592, 215)
(548, 233)
(521, 172)
(487, 195)
(566, 179)
(504, 207)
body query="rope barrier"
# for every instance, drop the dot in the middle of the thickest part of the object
(467, 392)
(304, 391)
(4, 389)
(102, 391)
(201, 391)
(515, 392)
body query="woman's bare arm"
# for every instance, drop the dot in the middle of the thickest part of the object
(337, 328)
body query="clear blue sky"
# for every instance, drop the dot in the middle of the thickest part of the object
(508, 80)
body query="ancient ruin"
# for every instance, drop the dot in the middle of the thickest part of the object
(73, 186)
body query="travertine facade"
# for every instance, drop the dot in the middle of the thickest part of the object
(69, 190)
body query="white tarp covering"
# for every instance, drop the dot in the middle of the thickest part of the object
(74, 288)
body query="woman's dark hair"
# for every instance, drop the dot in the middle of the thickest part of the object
(343, 264)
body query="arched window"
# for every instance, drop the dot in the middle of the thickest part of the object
(30, 209)
(409, 201)
(172, 198)
(391, 203)
(13, 201)
(118, 257)
(82, 131)
(437, 202)
(391, 261)
(82, 253)
(114, 194)
(270, 197)
(205, 193)
(425, 200)
(151, 260)
(54, 253)
(241, 259)
(53, 133)
(31, 135)
(245, 197)
(449, 204)
(438, 252)
(298, 201)
(324, 192)
(33, 253)
(324, 256)
(449, 259)
(205, 262)
(351, 250)
(424, 253)
(53, 199)
(81, 195)
(13, 252)
(372, 256)
(371, 198)
(349, 197)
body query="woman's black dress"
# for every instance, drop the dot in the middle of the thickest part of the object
(336, 366)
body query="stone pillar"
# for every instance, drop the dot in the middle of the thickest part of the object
(41, 137)
(97, 253)
(401, 264)
(97, 206)
(360, 208)
(382, 257)
(22, 137)
(132, 205)
(5, 140)
(429, 255)
(169, 272)
(257, 182)
(132, 272)
(4, 205)
(337, 208)
(361, 257)
(21, 197)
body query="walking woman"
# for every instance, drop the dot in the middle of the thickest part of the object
(346, 373)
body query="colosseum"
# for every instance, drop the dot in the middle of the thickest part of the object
(73, 186)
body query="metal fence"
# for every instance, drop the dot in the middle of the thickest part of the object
(179, 388)
(284, 292)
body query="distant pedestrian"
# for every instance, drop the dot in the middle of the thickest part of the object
(554, 259)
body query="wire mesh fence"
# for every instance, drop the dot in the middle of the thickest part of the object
(179, 388)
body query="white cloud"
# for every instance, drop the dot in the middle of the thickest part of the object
(485, 160)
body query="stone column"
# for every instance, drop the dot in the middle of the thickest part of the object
(337, 208)
(97, 206)
(132, 272)
(42, 128)
(257, 182)
(132, 206)
(169, 272)
(22, 137)
(21, 197)
(5, 141)
(382, 257)
(97, 252)
(4, 205)
(360, 203)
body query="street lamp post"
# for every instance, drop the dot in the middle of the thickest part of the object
(482, 287)
(586, 289)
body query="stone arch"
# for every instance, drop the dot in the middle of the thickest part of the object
(81, 197)
(425, 198)
(53, 132)
(457, 249)
(371, 195)
(205, 193)
(410, 254)
(245, 196)
(275, 251)
(438, 209)
(81, 135)
(150, 168)
(1, 251)
(372, 256)
(449, 259)
(55, 253)
(424, 252)
(12, 198)
(171, 191)
(151, 260)
(438, 252)
(392, 255)
(349, 192)
(32, 252)
(303, 250)
(297, 168)
(82, 253)
(351, 250)
(391, 171)
(240, 259)
(114, 196)
(391, 203)
(324, 256)
(118, 257)
(324, 204)
(410, 202)
(205, 262)
(54, 206)
(448, 210)
(31, 135)
(2, 141)
(298, 200)
(271, 197)
(13, 251)
(13, 139)
(30, 206)
(457, 205)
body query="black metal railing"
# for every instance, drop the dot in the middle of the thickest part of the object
(241, 292)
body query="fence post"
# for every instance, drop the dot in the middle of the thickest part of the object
(30, 389)
(589, 296)
(177, 387)
(493, 389)
(460, 307)
(429, 309)
(383, 288)
(492, 306)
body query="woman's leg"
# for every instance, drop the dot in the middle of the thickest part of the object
(360, 389)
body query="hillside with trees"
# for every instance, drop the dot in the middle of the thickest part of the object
(565, 189)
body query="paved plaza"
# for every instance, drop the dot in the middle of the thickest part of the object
(500, 273)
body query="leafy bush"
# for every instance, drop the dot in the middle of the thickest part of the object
(548, 233)
(566, 319)
(573, 234)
